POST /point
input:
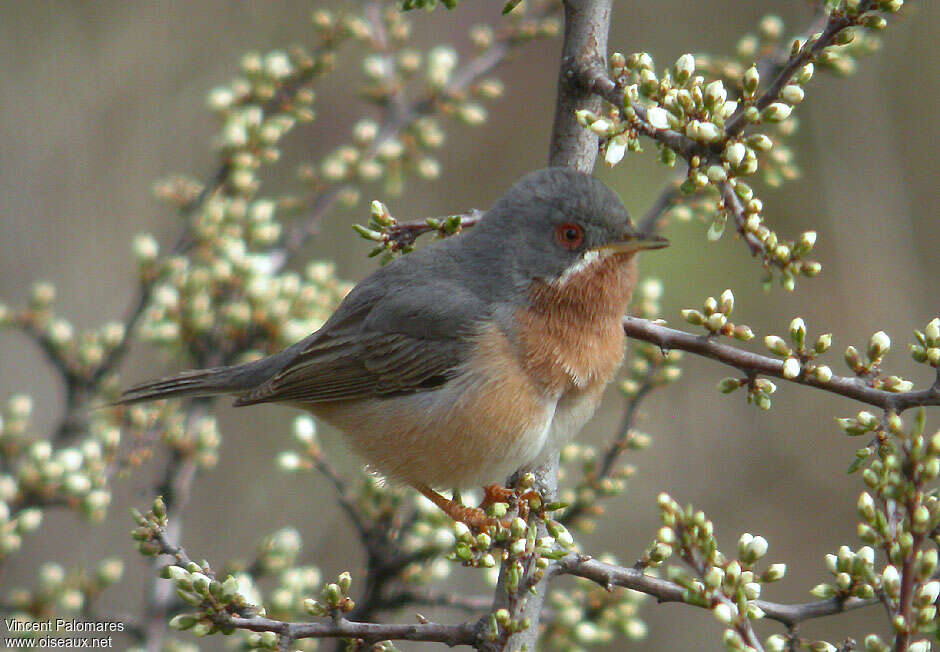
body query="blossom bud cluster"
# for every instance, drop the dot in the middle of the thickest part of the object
(799, 358)
(702, 106)
(714, 317)
(589, 615)
(726, 586)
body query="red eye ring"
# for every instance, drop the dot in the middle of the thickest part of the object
(569, 235)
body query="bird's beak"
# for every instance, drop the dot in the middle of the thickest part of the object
(634, 242)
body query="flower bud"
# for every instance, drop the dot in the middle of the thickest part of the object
(791, 368)
(751, 80)
(777, 112)
(792, 94)
(932, 332)
(657, 117)
(878, 345)
(776, 345)
(685, 66)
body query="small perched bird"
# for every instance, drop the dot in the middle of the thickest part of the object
(473, 357)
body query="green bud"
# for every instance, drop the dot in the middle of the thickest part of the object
(774, 572)
(823, 591)
(751, 80)
(344, 581)
(728, 385)
(183, 622)
(878, 345)
(776, 345)
(852, 359)
(694, 317)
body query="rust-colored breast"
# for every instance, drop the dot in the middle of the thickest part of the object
(571, 335)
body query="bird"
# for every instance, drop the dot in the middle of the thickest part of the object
(473, 357)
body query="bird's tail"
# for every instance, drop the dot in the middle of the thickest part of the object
(198, 382)
(206, 382)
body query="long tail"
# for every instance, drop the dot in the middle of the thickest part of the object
(206, 382)
(198, 382)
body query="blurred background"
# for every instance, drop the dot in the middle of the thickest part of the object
(102, 99)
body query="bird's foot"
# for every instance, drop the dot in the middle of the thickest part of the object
(521, 498)
(520, 501)
(475, 518)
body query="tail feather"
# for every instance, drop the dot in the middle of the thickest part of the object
(209, 382)
(198, 382)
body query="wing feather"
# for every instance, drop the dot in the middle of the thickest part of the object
(409, 347)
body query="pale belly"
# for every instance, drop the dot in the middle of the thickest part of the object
(477, 429)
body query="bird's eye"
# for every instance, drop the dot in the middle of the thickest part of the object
(569, 235)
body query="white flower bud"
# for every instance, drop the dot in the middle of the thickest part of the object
(657, 117)
(932, 332)
(823, 373)
(715, 93)
(734, 154)
(792, 94)
(277, 64)
(601, 126)
(776, 345)
(723, 613)
(289, 461)
(685, 66)
(777, 112)
(220, 98)
(616, 149)
(930, 591)
(878, 345)
(758, 547)
(708, 132)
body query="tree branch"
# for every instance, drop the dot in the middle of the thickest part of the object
(810, 50)
(748, 362)
(587, 23)
(368, 633)
(609, 576)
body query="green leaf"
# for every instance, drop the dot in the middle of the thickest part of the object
(856, 464)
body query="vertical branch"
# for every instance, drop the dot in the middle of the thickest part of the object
(587, 23)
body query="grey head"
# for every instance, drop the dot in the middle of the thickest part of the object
(555, 220)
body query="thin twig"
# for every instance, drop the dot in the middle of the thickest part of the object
(609, 576)
(669, 338)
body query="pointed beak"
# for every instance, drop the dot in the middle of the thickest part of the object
(635, 242)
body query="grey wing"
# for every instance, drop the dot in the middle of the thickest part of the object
(409, 341)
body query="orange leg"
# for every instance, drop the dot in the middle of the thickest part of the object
(496, 493)
(472, 517)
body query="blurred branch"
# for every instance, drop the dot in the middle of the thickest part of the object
(754, 363)
(615, 448)
(609, 576)
(410, 597)
(176, 488)
(398, 117)
(811, 48)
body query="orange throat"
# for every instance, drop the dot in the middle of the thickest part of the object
(571, 333)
